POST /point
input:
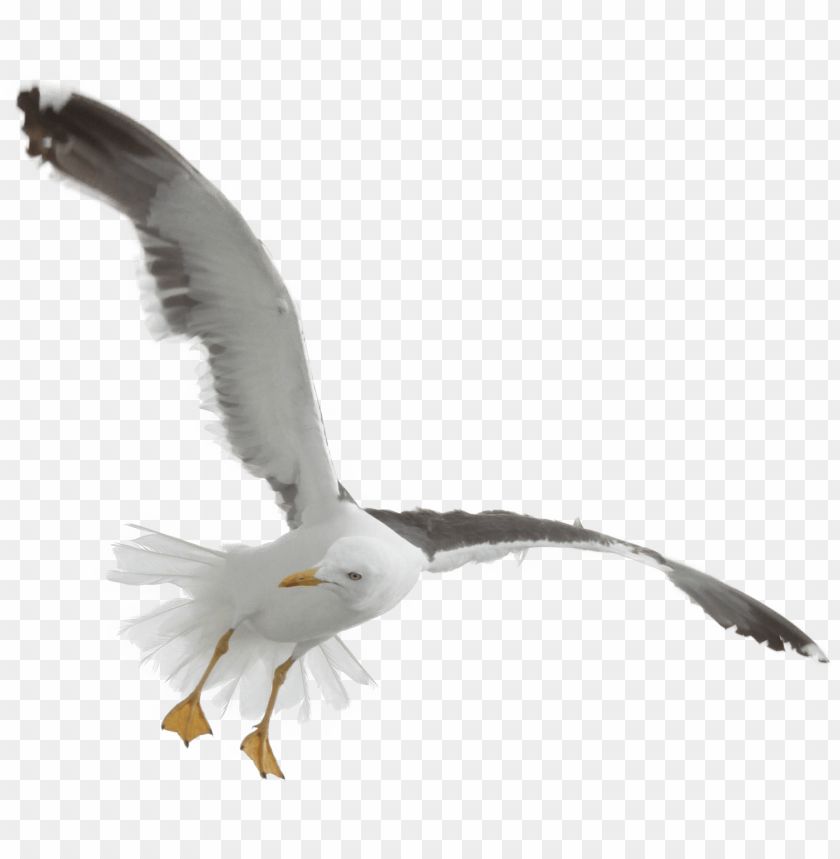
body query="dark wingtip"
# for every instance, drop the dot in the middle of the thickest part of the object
(814, 652)
(29, 99)
(37, 124)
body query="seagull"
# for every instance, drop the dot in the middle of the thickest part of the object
(263, 622)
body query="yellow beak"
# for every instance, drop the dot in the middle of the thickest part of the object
(301, 580)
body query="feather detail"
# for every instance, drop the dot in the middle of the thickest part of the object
(159, 542)
(139, 566)
(342, 658)
(327, 678)
(305, 711)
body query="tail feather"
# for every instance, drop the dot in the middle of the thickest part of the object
(136, 624)
(142, 567)
(158, 542)
(342, 659)
(179, 636)
(155, 558)
(305, 711)
(327, 678)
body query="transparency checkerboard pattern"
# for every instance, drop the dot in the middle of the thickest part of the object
(572, 263)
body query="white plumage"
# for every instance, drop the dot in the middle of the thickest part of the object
(238, 589)
(235, 631)
(172, 634)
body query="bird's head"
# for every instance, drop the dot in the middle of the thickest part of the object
(368, 575)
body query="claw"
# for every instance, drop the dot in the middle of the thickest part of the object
(187, 720)
(258, 749)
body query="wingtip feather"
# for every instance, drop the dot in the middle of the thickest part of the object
(814, 652)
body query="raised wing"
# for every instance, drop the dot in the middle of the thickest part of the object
(453, 539)
(212, 279)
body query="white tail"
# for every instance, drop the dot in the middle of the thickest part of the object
(179, 636)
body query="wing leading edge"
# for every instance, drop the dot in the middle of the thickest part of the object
(455, 538)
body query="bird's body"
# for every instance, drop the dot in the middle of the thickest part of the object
(303, 614)
(263, 623)
(238, 589)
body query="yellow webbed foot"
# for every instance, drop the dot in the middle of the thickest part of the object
(187, 720)
(258, 749)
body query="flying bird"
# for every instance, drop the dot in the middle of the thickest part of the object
(264, 622)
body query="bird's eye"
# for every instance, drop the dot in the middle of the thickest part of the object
(354, 576)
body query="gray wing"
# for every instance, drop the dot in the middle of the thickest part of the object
(455, 538)
(210, 278)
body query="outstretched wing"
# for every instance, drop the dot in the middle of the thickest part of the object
(453, 539)
(211, 278)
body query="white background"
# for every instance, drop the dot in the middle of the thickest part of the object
(572, 264)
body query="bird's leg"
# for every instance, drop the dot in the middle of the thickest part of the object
(256, 744)
(187, 718)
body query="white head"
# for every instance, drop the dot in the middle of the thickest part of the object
(370, 576)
